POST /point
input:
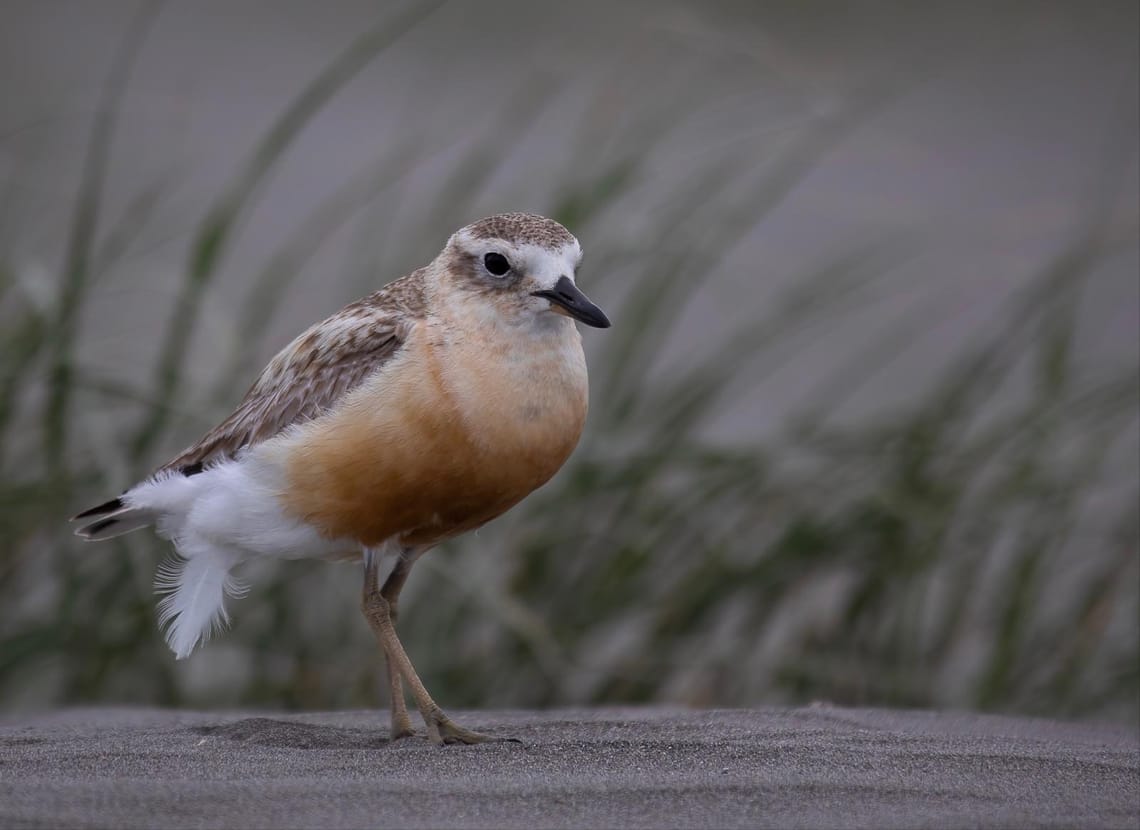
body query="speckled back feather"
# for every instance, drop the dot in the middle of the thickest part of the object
(312, 373)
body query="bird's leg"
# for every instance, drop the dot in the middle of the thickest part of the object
(401, 723)
(377, 610)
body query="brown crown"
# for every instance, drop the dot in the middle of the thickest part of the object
(521, 228)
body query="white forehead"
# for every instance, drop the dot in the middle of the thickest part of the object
(540, 261)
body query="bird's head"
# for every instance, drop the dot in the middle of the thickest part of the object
(521, 267)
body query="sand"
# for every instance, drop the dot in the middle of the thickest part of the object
(810, 767)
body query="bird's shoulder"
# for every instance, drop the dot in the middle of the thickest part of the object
(314, 371)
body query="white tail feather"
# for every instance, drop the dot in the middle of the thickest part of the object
(194, 584)
(226, 514)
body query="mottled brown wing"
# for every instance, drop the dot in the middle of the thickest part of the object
(310, 375)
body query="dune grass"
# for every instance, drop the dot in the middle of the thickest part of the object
(941, 552)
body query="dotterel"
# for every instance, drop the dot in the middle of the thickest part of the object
(420, 412)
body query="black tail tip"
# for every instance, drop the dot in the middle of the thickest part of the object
(92, 530)
(106, 507)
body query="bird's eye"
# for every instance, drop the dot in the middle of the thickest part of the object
(496, 264)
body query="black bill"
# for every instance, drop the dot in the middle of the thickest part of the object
(566, 295)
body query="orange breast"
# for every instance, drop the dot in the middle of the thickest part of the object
(408, 458)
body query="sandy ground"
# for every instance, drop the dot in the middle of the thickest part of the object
(812, 767)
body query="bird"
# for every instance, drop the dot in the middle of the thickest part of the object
(409, 417)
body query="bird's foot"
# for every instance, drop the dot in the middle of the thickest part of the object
(442, 730)
(401, 726)
(399, 734)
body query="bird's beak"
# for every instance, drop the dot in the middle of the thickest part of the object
(567, 299)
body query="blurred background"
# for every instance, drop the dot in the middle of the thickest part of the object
(865, 429)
